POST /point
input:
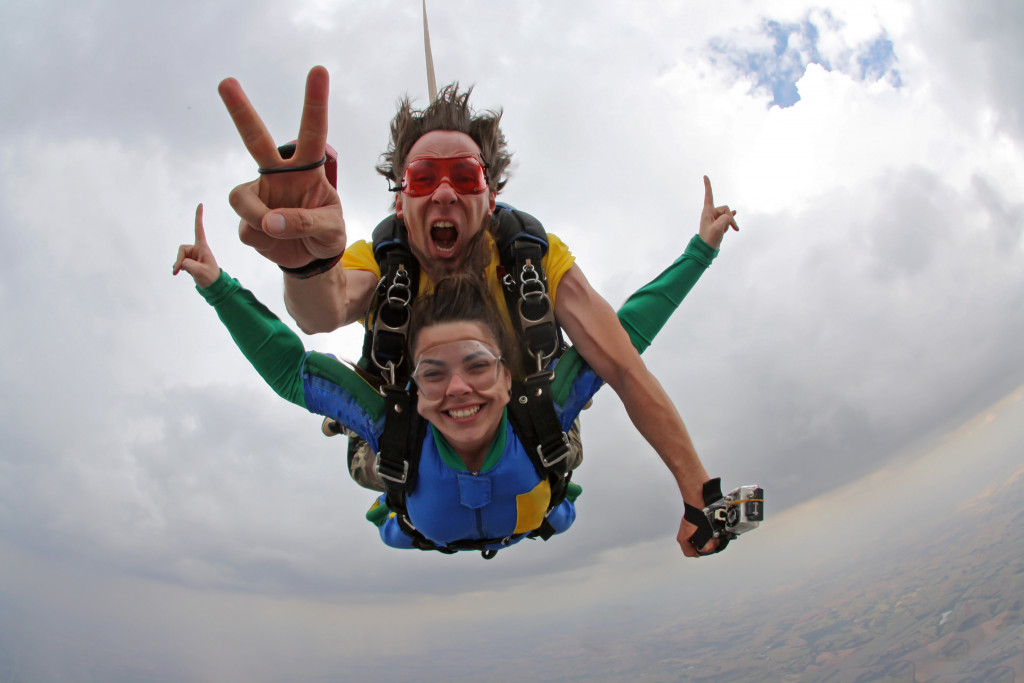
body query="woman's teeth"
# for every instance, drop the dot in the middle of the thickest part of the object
(462, 413)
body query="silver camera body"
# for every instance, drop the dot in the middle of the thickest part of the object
(737, 512)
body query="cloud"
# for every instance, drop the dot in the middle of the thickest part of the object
(872, 297)
(775, 55)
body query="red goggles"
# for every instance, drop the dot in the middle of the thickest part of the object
(466, 175)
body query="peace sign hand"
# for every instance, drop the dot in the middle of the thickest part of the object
(291, 218)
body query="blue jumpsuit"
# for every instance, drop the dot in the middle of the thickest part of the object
(507, 498)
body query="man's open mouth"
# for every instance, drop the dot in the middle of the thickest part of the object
(444, 235)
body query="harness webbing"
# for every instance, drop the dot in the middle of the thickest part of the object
(401, 447)
(522, 244)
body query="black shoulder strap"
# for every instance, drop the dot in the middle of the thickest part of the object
(522, 243)
(532, 414)
(385, 337)
(401, 444)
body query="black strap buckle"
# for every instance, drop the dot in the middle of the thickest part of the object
(560, 451)
(391, 473)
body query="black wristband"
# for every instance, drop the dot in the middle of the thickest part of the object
(314, 267)
(292, 169)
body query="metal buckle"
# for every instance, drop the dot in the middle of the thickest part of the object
(396, 300)
(563, 456)
(532, 292)
(396, 480)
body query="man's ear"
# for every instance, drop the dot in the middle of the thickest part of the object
(398, 204)
(492, 200)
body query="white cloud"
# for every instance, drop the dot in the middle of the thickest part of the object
(872, 296)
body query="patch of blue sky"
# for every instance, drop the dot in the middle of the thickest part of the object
(877, 60)
(791, 47)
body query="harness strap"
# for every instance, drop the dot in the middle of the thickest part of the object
(421, 542)
(400, 446)
(385, 339)
(522, 244)
(535, 422)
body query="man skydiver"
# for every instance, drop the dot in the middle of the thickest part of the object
(293, 216)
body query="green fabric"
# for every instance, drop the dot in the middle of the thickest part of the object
(646, 311)
(277, 352)
(270, 346)
(331, 369)
(494, 452)
(378, 513)
(649, 308)
(573, 491)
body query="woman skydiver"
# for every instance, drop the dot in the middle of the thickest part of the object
(476, 486)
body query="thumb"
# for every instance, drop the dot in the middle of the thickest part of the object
(324, 226)
(297, 223)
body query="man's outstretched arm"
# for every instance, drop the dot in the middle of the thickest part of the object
(597, 335)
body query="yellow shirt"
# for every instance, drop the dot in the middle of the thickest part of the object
(557, 262)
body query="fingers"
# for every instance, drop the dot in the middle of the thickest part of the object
(200, 231)
(690, 550)
(256, 238)
(716, 212)
(246, 202)
(724, 219)
(250, 126)
(686, 531)
(312, 139)
(709, 200)
(184, 252)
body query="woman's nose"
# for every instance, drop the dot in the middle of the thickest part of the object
(458, 386)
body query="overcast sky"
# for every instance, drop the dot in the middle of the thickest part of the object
(873, 299)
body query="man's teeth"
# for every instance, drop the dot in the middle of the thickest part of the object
(464, 412)
(444, 236)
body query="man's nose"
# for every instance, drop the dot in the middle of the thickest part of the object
(444, 193)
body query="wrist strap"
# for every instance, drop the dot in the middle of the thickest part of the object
(705, 531)
(314, 267)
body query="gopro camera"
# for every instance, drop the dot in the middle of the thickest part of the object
(737, 512)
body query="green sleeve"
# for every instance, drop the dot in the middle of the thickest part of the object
(647, 310)
(269, 345)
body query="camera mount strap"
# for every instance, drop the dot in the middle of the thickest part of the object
(697, 517)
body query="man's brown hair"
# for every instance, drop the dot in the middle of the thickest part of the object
(450, 111)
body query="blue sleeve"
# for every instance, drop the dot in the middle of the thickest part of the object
(562, 517)
(317, 382)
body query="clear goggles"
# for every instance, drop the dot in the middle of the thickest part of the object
(469, 359)
(467, 175)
